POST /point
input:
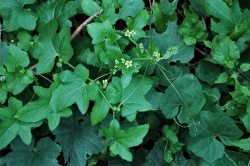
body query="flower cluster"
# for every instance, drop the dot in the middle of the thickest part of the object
(130, 33)
(104, 83)
(128, 64)
(141, 47)
(155, 57)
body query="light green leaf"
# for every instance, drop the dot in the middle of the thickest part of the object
(58, 10)
(184, 95)
(50, 46)
(245, 67)
(242, 143)
(90, 7)
(100, 110)
(108, 14)
(133, 95)
(225, 51)
(13, 83)
(39, 110)
(167, 7)
(246, 118)
(102, 32)
(208, 148)
(43, 152)
(124, 139)
(15, 16)
(10, 127)
(130, 8)
(16, 57)
(192, 29)
(24, 40)
(137, 24)
(78, 139)
(73, 91)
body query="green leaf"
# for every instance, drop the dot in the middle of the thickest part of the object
(208, 72)
(90, 7)
(192, 29)
(137, 24)
(44, 152)
(154, 98)
(246, 118)
(108, 14)
(51, 45)
(216, 124)
(16, 57)
(13, 83)
(39, 110)
(208, 148)
(184, 95)
(242, 143)
(10, 127)
(133, 95)
(199, 7)
(58, 10)
(222, 78)
(227, 22)
(24, 40)
(155, 156)
(102, 32)
(79, 140)
(130, 8)
(167, 7)
(15, 16)
(225, 51)
(245, 67)
(171, 38)
(124, 139)
(72, 91)
(100, 110)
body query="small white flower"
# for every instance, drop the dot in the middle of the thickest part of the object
(128, 64)
(156, 54)
(116, 61)
(31, 43)
(123, 60)
(127, 33)
(114, 71)
(104, 83)
(141, 46)
(132, 33)
(142, 50)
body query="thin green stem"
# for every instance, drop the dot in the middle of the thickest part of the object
(71, 66)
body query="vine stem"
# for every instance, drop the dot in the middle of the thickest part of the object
(77, 31)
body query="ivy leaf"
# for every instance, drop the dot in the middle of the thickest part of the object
(192, 29)
(167, 7)
(133, 95)
(242, 143)
(185, 92)
(58, 10)
(10, 127)
(209, 148)
(109, 14)
(74, 90)
(204, 130)
(24, 40)
(124, 139)
(16, 57)
(90, 7)
(50, 46)
(43, 152)
(155, 156)
(130, 8)
(15, 16)
(137, 24)
(100, 110)
(79, 140)
(225, 51)
(102, 32)
(208, 72)
(170, 38)
(38, 110)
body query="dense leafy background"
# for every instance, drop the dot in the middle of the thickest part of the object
(162, 82)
